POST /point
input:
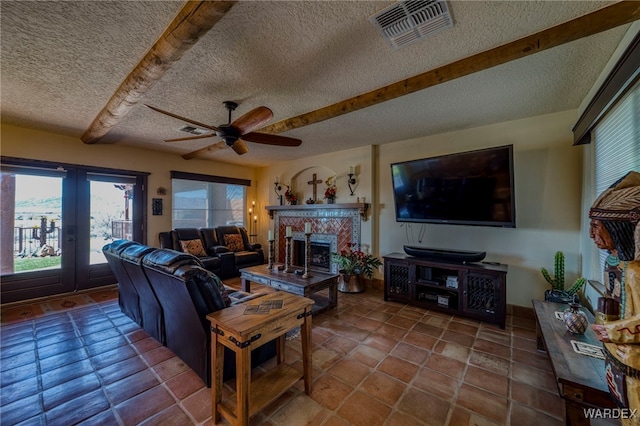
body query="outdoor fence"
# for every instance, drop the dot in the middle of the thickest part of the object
(28, 241)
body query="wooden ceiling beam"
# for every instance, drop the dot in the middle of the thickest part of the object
(190, 24)
(601, 20)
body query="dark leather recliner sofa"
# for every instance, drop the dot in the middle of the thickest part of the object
(128, 297)
(185, 292)
(226, 249)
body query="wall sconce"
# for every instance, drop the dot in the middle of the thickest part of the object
(277, 188)
(351, 181)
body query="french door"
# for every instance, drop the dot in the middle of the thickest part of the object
(55, 220)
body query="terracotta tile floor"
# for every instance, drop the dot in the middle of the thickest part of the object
(375, 363)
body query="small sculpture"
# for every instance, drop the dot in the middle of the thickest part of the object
(615, 227)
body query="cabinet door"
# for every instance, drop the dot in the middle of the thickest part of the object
(396, 281)
(482, 296)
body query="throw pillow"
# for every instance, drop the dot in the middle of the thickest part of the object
(234, 242)
(193, 247)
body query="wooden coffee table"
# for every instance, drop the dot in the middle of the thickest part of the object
(581, 379)
(292, 283)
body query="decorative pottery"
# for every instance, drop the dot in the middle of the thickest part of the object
(575, 320)
(559, 296)
(350, 283)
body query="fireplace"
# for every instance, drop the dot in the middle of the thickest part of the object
(334, 227)
(320, 259)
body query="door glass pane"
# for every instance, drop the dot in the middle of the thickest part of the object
(111, 216)
(31, 223)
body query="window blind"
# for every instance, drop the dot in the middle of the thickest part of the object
(617, 151)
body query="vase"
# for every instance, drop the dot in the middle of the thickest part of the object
(350, 283)
(574, 319)
(331, 200)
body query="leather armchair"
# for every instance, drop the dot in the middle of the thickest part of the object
(151, 315)
(212, 260)
(128, 297)
(245, 254)
(188, 293)
(214, 248)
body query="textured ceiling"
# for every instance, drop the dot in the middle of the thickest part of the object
(62, 61)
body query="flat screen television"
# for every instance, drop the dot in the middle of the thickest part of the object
(466, 188)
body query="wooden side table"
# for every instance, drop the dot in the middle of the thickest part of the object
(241, 332)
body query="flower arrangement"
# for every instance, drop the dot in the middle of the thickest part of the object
(330, 192)
(290, 196)
(355, 261)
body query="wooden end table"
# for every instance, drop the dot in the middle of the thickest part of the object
(292, 283)
(241, 332)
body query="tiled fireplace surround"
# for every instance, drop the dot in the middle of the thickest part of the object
(334, 226)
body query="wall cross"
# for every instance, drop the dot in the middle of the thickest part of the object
(315, 181)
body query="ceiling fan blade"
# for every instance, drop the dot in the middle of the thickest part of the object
(188, 120)
(240, 147)
(189, 138)
(268, 139)
(216, 146)
(257, 117)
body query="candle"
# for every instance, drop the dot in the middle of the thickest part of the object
(277, 180)
(255, 218)
(351, 170)
(250, 211)
(288, 232)
(307, 228)
(270, 235)
(254, 203)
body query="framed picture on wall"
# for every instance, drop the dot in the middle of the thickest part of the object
(157, 206)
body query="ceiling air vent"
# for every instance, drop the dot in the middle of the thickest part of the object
(407, 22)
(193, 130)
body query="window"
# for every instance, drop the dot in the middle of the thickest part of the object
(616, 151)
(201, 201)
(610, 124)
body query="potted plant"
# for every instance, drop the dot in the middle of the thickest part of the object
(290, 196)
(353, 263)
(557, 293)
(330, 192)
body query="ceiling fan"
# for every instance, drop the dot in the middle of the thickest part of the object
(234, 134)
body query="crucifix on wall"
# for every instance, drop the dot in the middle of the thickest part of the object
(315, 181)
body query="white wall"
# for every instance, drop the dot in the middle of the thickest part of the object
(33, 144)
(548, 199)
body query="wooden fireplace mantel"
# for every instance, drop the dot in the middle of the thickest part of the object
(362, 207)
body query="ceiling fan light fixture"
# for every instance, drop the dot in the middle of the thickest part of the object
(230, 140)
(408, 21)
(193, 130)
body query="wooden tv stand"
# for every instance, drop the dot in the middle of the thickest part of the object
(474, 290)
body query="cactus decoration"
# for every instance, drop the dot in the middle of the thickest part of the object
(557, 282)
